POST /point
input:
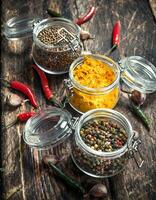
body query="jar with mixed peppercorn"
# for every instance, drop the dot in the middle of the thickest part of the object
(103, 143)
(103, 138)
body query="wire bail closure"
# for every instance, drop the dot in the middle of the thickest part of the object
(69, 87)
(74, 122)
(67, 92)
(121, 67)
(135, 149)
(69, 38)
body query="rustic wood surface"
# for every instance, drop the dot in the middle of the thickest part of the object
(24, 176)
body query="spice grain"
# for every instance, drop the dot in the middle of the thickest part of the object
(97, 75)
(57, 53)
(102, 136)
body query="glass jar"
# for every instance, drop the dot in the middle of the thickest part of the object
(56, 41)
(98, 163)
(83, 98)
(56, 58)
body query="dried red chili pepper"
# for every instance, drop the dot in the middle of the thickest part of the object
(115, 37)
(116, 34)
(22, 117)
(25, 90)
(45, 86)
(86, 17)
(44, 82)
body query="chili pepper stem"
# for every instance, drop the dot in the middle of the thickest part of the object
(22, 117)
(53, 13)
(55, 102)
(125, 91)
(111, 50)
(24, 101)
(68, 180)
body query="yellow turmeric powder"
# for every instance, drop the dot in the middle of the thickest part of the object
(95, 74)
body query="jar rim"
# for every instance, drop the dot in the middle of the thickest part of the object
(113, 114)
(52, 20)
(103, 58)
(20, 26)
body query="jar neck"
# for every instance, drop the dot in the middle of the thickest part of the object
(110, 115)
(95, 91)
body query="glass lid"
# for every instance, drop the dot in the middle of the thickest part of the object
(47, 128)
(20, 26)
(138, 73)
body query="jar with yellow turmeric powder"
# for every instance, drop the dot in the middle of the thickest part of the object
(94, 83)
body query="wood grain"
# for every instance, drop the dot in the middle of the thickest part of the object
(153, 7)
(25, 177)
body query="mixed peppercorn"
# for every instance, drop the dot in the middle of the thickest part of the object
(103, 135)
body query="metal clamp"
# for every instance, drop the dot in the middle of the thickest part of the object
(69, 87)
(121, 65)
(74, 121)
(69, 41)
(66, 92)
(36, 22)
(135, 149)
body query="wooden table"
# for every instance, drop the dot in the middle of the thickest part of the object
(25, 176)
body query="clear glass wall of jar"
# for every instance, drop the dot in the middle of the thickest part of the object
(56, 57)
(83, 98)
(98, 163)
(138, 74)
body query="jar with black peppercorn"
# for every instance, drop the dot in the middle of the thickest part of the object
(56, 45)
(56, 41)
